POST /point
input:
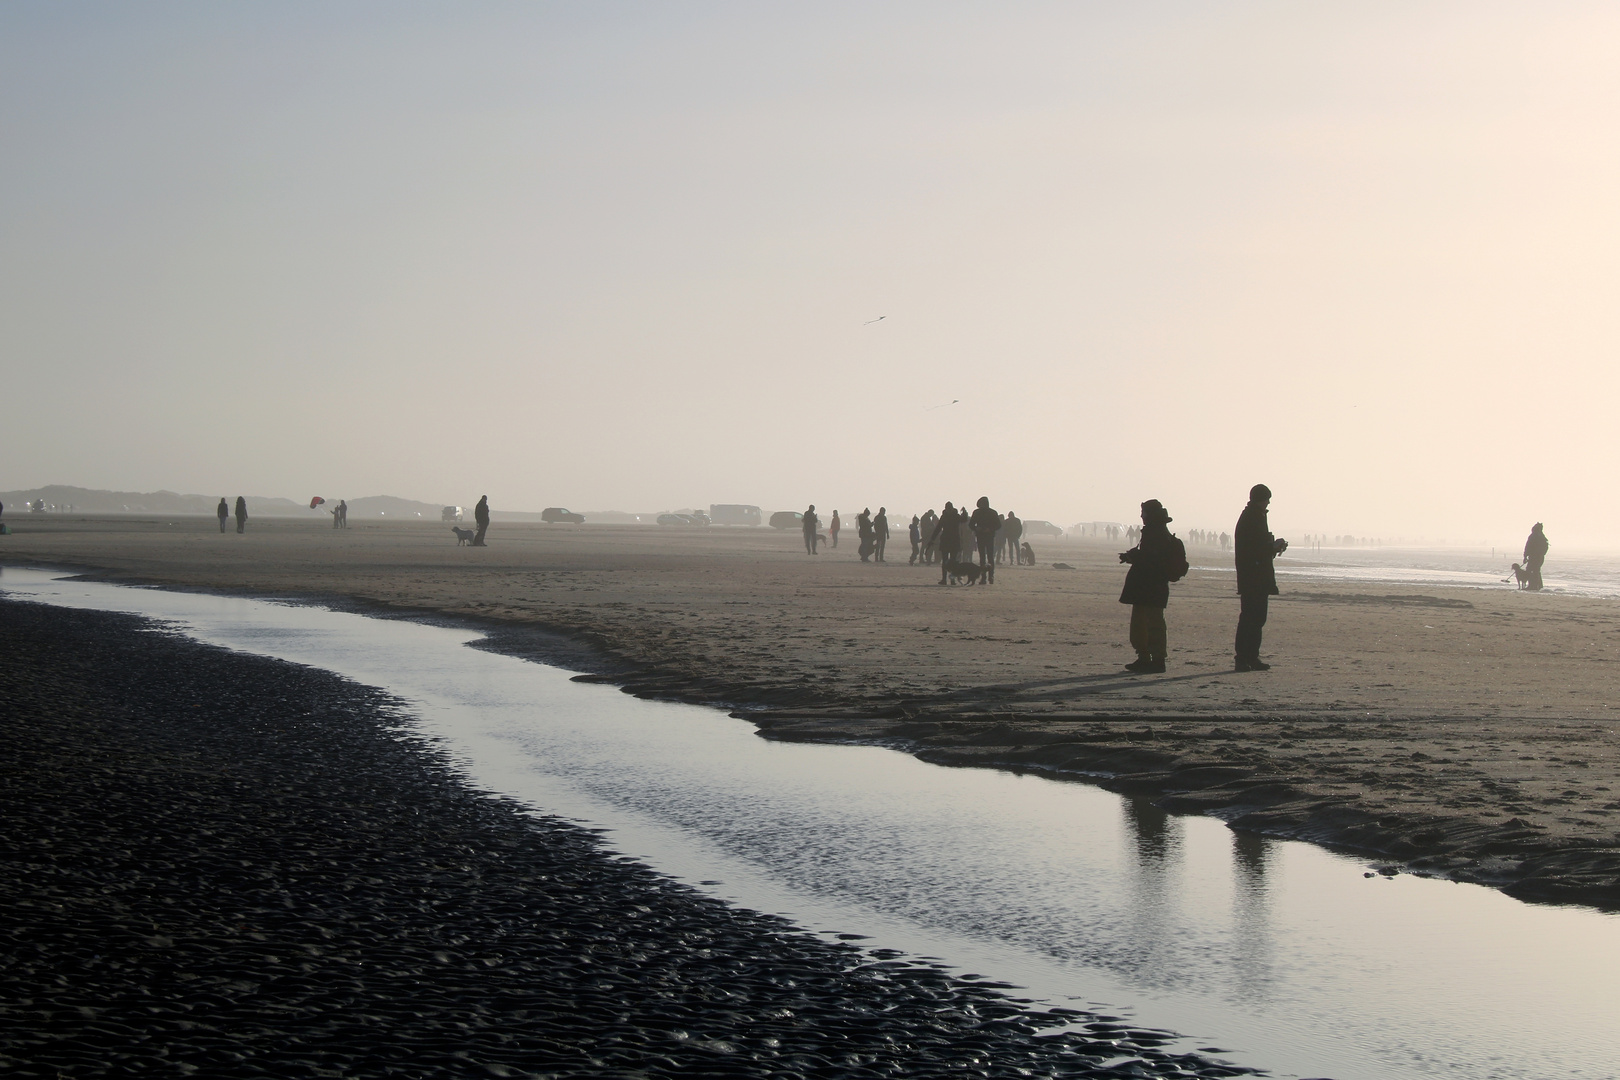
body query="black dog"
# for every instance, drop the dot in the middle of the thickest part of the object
(974, 573)
(1026, 554)
(463, 536)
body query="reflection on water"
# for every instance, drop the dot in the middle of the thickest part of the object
(1279, 951)
(1572, 573)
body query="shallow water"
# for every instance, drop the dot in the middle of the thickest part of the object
(1594, 574)
(1280, 953)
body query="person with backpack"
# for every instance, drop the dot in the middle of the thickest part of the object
(1156, 561)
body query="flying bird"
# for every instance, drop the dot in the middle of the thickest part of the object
(947, 405)
(869, 322)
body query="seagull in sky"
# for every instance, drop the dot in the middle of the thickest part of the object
(947, 405)
(869, 322)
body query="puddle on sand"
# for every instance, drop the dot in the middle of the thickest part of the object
(1281, 953)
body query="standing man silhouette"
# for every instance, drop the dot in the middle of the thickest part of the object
(1254, 549)
(812, 526)
(481, 516)
(1155, 562)
(832, 528)
(916, 539)
(241, 514)
(1535, 553)
(947, 536)
(984, 522)
(880, 531)
(223, 511)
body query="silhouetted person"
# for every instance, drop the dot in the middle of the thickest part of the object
(947, 539)
(241, 514)
(1012, 531)
(812, 529)
(833, 527)
(915, 533)
(223, 511)
(1535, 553)
(481, 516)
(929, 523)
(984, 522)
(880, 533)
(863, 529)
(1155, 562)
(1254, 549)
(343, 514)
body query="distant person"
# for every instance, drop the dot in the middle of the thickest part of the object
(929, 523)
(1535, 553)
(1158, 560)
(481, 517)
(343, 514)
(947, 539)
(1012, 532)
(241, 514)
(880, 533)
(984, 522)
(812, 529)
(223, 511)
(863, 530)
(833, 527)
(915, 533)
(1254, 550)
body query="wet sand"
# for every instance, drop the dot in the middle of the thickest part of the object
(1457, 732)
(228, 866)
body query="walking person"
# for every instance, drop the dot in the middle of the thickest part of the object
(833, 527)
(947, 539)
(880, 532)
(241, 514)
(812, 527)
(915, 533)
(929, 523)
(984, 522)
(1158, 560)
(1535, 553)
(481, 516)
(1254, 551)
(1014, 531)
(223, 511)
(863, 530)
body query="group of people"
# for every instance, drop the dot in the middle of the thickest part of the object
(1161, 558)
(223, 512)
(872, 530)
(951, 537)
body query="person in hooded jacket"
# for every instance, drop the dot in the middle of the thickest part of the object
(1254, 549)
(223, 511)
(1155, 562)
(947, 538)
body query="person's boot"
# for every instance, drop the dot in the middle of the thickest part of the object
(1250, 664)
(1155, 666)
(1141, 665)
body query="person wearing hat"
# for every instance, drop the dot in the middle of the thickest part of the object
(1254, 549)
(1535, 553)
(1157, 560)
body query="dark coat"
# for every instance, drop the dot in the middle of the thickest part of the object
(1254, 548)
(984, 522)
(1535, 549)
(481, 512)
(948, 532)
(1153, 562)
(241, 508)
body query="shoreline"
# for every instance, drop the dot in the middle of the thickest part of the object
(229, 865)
(1525, 804)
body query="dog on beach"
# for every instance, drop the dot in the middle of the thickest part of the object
(463, 536)
(974, 573)
(1026, 554)
(1522, 575)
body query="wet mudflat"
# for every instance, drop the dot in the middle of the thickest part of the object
(1280, 951)
(220, 864)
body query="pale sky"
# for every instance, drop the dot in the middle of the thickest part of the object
(623, 256)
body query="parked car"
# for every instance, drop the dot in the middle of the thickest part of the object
(1037, 527)
(557, 514)
(680, 519)
(786, 519)
(450, 513)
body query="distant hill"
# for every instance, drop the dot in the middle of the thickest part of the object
(60, 498)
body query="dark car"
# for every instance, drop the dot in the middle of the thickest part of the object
(786, 519)
(680, 519)
(1037, 527)
(555, 514)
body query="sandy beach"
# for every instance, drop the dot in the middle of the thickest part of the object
(1453, 731)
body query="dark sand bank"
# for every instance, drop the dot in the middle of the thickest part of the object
(223, 865)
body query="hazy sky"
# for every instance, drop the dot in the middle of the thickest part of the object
(622, 256)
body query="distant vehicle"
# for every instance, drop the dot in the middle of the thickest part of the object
(1038, 527)
(450, 513)
(679, 519)
(698, 517)
(557, 515)
(786, 519)
(734, 514)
